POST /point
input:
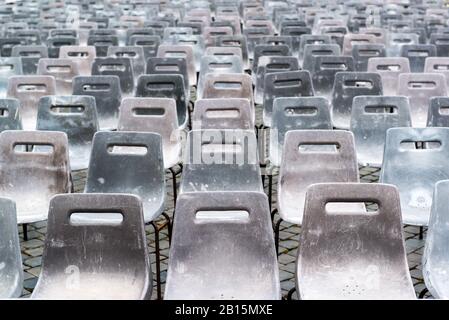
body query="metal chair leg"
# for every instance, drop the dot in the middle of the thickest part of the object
(169, 226)
(423, 293)
(290, 293)
(175, 193)
(421, 233)
(158, 261)
(273, 213)
(270, 190)
(25, 231)
(277, 229)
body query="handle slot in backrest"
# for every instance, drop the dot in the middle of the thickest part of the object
(32, 87)
(126, 54)
(222, 113)
(402, 40)
(220, 65)
(127, 149)
(283, 83)
(441, 67)
(319, 147)
(278, 66)
(112, 67)
(418, 53)
(231, 85)
(422, 84)
(222, 216)
(321, 52)
(444, 110)
(175, 54)
(6, 67)
(4, 112)
(369, 53)
(389, 67)
(23, 148)
(301, 111)
(333, 66)
(221, 148)
(143, 112)
(381, 109)
(67, 109)
(30, 54)
(367, 84)
(96, 87)
(78, 54)
(407, 145)
(95, 218)
(349, 207)
(167, 67)
(155, 86)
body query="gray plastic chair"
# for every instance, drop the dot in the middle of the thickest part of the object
(238, 41)
(180, 51)
(414, 160)
(395, 42)
(157, 115)
(438, 115)
(28, 90)
(363, 52)
(63, 70)
(347, 86)
(215, 254)
(8, 67)
(225, 51)
(389, 69)
(149, 44)
(102, 43)
(352, 39)
(11, 274)
(299, 113)
(435, 256)
(120, 67)
(371, 117)
(263, 50)
(221, 160)
(134, 53)
(9, 115)
(30, 56)
(309, 39)
(417, 55)
(284, 84)
(77, 117)
(196, 42)
(35, 175)
(222, 114)
(312, 51)
(115, 267)
(84, 56)
(420, 88)
(129, 162)
(352, 255)
(438, 65)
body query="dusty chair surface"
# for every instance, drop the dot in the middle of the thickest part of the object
(77, 117)
(222, 248)
(111, 262)
(389, 70)
(414, 160)
(28, 90)
(297, 113)
(36, 175)
(30, 55)
(353, 255)
(81, 55)
(120, 67)
(438, 115)
(129, 162)
(221, 160)
(309, 157)
(438, 65)
(107, 93)
(222, 114)
(11, 274)
(371, 117)
(363, 52)
(8, 67)
(9, 115)
(63, 70)
(156, 115)
(135, 55)
(436, 257)
(417, 55)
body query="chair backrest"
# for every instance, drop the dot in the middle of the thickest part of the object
(348, 85)
(441, 42)
(11, 274)
(420, 87)
(371, 117)
(225, 259)
(30, 56)
(120, 67)
(9, 115)
(11, 66)
(102, 43)
(435, 255)
(63, 70)
(165, 86)
(438, 115)
(28, 90)
(311, 51)
(329, 257)
(6, 45)
(262, 50)
(389, 70)
(238, 41)
(284, 84)
(225, 51)
(148, 43)
(298, 113)
(221, 160)
(352, 39)
(309, 39)
(134, 53)
(81, 55)
(417, 55)
(117, 267)
(414, 160)
(313, 156)
(157, 115)
(196, 42)
(180, 51)
(157, 65)
(32, 172)
(107, 93)
(438, 65)
(395, 41)
(55, 43)
(129, 162)
(363, 52)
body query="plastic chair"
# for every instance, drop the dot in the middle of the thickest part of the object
(225, 258)
(262, 50)
(134, 53)
(180, 51)
(284, 84)
(30, 56)
(420, 87)
(117, 267)
(363, 52)
(149, 44)
(82, 55)
(395, 42)
(238, 41)
(55, 43)
(389, 70)
(28, 90)
(371, 117)
(9, 115)
(11, 274)
(299, 113)
(77, 117)
(120, 67)
(63, 70)
(414, 160)
(435, 255)
(311, 40)
(438, 116)
(331, 263)
(417, 55)
(347, 86)
(352, 39)
(196, 42)
(36, 174)
(311, 51)
(438, 65)
(8, 67)
(102, 43)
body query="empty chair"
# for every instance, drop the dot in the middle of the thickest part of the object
(30, 56)
(311, 51)
(308, 39)
(298, 113)
(222, 114)
(238, 41)
(414, 160)
(395, 42)
(129, 162)
(417, 55)
(420, 87)
(55, 43)
(438, 115)
(77, 117)
(157, 115)
(226, 260)
(120, 67)
(389, 70)
(262, 50)
(363, 52)
(165, 86)
(149, 44)
(441, 42)
(196, 42)
(117, 267)
(348, 85)
(8, 67)
(284, 84)
(102, 43)
(438, 65)
(63, 70)
(221, 160)
(371, 117)
(352, 39)
(348, 254)
(134, 53)
(180, 51)
(9, 115)
(11, 274)
(34, 173)
(28, 90)
(435, 256)
(81, 55)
